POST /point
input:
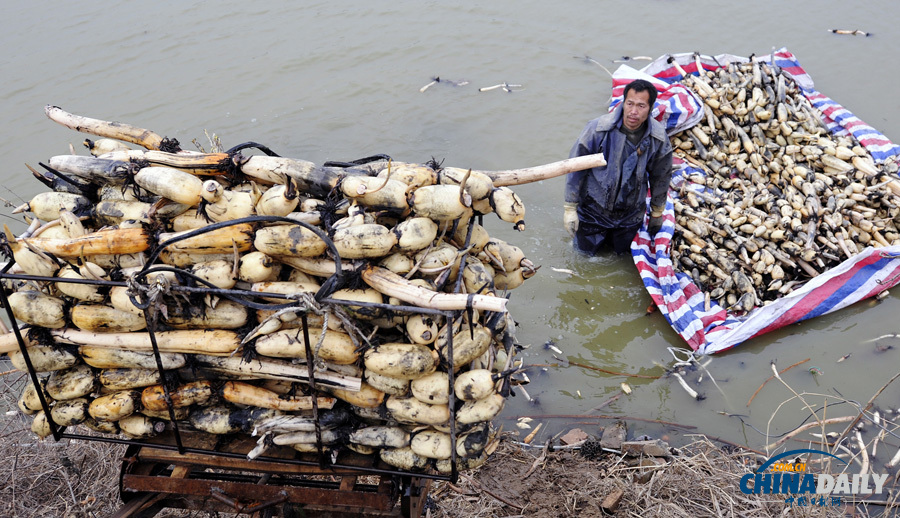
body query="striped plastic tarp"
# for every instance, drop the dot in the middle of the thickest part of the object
(710, 328)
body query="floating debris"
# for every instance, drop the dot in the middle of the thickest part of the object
(851, 32)
(594, 61)
(507, 87)
(530, 437)
(551, 346)
(882, 337)
(626, 59)
(894, 460)
(531, 400)
(687, 388)
(435, 80)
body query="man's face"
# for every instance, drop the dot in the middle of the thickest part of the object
(635, 109)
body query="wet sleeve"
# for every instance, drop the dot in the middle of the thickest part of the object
(660, 175)
(587, 144)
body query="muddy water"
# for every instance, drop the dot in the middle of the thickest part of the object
(340, 80)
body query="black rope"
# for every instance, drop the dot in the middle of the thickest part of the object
(248, 145)
(358, 161)
(313, 390)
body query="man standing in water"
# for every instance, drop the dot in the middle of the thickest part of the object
(607, 204)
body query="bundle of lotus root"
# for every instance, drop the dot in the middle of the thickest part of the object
(781, 199)
(315, 305)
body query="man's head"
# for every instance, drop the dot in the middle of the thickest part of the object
(639, 98)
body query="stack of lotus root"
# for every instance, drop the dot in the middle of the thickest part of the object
(314, 306)
(781, 199)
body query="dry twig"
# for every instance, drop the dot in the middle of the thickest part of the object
(866, 408)
(770, 378)
(598, 369)
(538, 460)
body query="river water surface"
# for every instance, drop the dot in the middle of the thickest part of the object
(340, 80)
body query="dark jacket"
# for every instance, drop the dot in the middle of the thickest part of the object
(615, 195)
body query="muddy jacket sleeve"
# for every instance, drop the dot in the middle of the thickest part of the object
(660, 172)
(588, 143)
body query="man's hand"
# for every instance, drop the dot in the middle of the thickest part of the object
(570, 217)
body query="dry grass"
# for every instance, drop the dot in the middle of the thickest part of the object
(71, 479)
(80, 479)
(701, 481)
(46, 478)
(58, 479)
